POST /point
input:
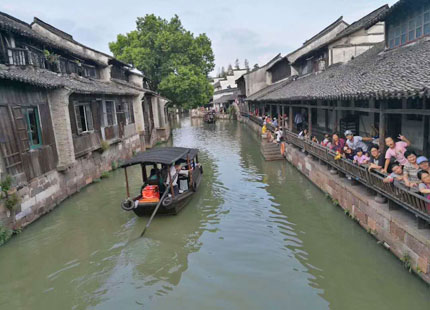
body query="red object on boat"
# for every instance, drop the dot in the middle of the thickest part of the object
(150, 193)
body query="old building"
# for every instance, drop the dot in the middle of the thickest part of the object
(376, 91)
(67, 113)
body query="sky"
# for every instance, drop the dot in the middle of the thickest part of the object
(240, 29)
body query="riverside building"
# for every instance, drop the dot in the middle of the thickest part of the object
(67, 114)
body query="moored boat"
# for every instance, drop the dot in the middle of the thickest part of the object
(174, 176)
(209, 117)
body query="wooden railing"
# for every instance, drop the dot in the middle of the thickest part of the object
(18, 56)
(400, 194)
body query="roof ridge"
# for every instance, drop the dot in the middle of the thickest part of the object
(15, 19)
(44, 24)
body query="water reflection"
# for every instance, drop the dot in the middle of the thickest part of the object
(256, 235)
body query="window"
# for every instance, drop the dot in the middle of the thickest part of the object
(84, 117)
(31, 117)
(124, 112)
(110, 118)
(409, 29)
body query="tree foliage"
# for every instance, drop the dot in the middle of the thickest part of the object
(237, 64)
(246, 64)
(176, 62)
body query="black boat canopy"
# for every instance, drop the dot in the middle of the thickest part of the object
(162, 155)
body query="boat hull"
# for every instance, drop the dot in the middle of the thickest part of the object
(146, 209)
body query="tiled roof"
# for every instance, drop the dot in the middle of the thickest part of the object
(399, 73)
(48, 79)
(271, 88)
(366, 22)
(16, 26)
(322, 33)
(226, 98)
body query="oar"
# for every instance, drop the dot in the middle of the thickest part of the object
(155, 211)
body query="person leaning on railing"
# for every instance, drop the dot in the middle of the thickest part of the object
(410, 170)
(423, 162)
(396, 150)
(396, 174)
(377, 161)
(424, 186)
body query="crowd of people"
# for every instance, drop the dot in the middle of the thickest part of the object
(397, 162)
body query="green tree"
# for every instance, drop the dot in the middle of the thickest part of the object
(176, 62)
(246, 64)
(236, 64)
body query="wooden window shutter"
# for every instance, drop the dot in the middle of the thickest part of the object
(78, 118)
(21, 128)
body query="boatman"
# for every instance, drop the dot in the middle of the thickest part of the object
(175, 171)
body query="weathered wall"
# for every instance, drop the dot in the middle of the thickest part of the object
(316, 43)
(44, 193)
(356, 44)
(74, 46)
(394, 227)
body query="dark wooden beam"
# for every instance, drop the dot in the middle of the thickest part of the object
(290, 118)
(426, 129)
(382, 118)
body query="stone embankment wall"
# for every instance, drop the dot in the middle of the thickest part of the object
(44, 193)
(392, 226)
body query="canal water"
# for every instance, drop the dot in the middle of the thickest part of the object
(257, 235)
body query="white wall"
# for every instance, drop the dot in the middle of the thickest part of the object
(356, 44)
(317, 43)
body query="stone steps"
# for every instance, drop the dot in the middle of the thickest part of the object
(270, 151)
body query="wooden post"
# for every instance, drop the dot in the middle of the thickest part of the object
(382, 117)
(290, 118)
(190, 172)
(126, 182)
(325, 118)
(310, 121)
(144, 176)
(170, 184)
(425, 129)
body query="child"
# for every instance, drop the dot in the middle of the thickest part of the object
(327, 140)
(396, 174)
(360, 158)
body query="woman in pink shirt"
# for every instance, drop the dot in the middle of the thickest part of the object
(396, 150)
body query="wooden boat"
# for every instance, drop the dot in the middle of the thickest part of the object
(159, 162)
(209, 117)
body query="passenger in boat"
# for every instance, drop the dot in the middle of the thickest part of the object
(410, 170)
(175, 171)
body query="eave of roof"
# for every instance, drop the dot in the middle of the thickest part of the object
(377, 73)
(48, 79)
(320, 34)
(363, 23)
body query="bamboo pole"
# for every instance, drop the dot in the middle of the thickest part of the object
(126, 182)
